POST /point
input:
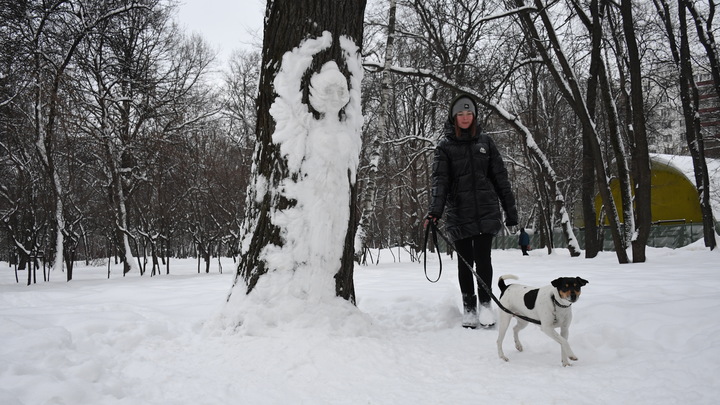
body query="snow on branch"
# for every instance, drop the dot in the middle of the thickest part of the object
(506, 115)
(508, 13)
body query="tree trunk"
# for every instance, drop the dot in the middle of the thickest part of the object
(640, 154)
(305, 40)
(592, 244)
(599, 75)
(702, 178)
(690, 101)
(689, 98)
(118, 199)
(370, 189)
(544, 197)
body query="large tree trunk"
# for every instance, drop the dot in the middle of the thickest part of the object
(592, 244)
(702, 178)
(305, 40)
(640, 155)
(691, 100)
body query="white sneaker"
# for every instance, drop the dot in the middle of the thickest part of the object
(470, 319)
(486, 316)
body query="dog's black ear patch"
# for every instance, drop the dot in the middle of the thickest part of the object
(582, 281)
(530, 298)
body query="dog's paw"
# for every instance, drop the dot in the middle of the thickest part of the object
(567, 363)
(571, 355)
(504, 358)
(519, 346)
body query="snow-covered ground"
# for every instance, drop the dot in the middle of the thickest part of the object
(644, 334)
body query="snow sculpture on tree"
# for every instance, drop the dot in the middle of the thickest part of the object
(321, 154)
(322, 150)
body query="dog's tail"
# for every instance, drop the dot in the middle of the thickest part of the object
(501, 281)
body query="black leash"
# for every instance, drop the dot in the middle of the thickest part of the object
(435, 232)
(435, 242)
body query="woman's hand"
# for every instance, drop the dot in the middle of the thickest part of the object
(428, 219)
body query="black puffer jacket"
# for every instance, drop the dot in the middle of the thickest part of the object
(469, 183)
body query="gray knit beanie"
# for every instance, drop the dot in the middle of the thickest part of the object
(463, 104)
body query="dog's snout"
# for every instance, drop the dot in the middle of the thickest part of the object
(570, 294)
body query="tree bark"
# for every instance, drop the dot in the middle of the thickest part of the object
(592, 244)
(640, 155)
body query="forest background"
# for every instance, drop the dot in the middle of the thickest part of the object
(118, 139)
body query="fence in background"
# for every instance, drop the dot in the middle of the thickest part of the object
(661, 235)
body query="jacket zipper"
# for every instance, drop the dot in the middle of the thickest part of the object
(474, 181)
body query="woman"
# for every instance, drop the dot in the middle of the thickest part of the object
(469, 183)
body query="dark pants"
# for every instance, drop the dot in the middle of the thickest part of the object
(476, 251)
(524, 249)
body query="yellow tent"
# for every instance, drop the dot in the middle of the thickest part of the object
(674, 197)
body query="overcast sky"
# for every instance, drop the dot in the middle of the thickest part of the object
(225, 24)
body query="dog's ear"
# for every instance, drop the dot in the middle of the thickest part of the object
(581, 281)
(556, 283)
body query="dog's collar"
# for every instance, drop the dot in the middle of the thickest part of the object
(555, 301)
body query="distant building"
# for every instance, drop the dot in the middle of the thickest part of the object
(666, 129)
(709, 110)
(666, 124)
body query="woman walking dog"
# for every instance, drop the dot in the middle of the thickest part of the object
(469, 183)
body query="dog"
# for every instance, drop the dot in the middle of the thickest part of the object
(550, 305)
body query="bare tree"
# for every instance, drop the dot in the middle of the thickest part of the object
(241, 89)
(565, 77)
(56, 30)
(690, 101)
(370, 188)
(599, 88)
(240, 92)
(705, 31)
(640, 155)
(142, 75)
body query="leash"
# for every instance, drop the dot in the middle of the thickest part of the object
(435, 242)
(435, 232)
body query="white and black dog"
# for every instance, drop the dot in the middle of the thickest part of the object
(550, 305)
